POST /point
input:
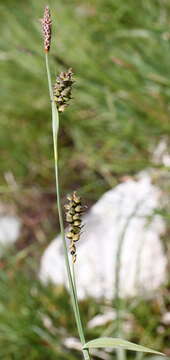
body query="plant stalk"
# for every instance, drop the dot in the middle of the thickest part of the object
(73, 293)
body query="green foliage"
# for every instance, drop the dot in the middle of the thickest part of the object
(32, 320)
(120, 56)
(35, 320)
(116, 343)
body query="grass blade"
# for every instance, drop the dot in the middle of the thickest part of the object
(117, 343)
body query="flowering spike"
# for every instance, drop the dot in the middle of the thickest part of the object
(46, 24)
(62, 89)
(73, 217)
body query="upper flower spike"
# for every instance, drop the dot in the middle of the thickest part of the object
(46, 23)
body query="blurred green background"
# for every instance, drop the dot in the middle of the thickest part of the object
(120, 54)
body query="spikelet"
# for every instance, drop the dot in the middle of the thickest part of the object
(74, 210)
(46, 24)
(62, 89)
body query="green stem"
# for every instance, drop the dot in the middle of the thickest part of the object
(55, 129)
(86, 351)
(76, 302)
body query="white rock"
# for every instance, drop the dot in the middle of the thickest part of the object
(9, 230)
(161, 154)
(124, 213)
(166, 318)
(72, 343)
(103, 319)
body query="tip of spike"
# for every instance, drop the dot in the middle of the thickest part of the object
(46, 24)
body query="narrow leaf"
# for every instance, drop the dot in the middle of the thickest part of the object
(115, 343)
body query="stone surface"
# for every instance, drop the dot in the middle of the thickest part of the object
(123, 215)
(161, 154)
(9, 230)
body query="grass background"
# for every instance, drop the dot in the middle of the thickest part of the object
(120, 54)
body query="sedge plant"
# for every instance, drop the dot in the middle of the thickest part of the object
(59, 95)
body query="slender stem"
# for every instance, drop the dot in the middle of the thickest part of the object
(74, 277)
(76, 300)
(55, 129)
(86, 351)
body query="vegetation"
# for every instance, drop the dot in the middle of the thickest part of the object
(119, 53)
(120, 56)
(36, 320)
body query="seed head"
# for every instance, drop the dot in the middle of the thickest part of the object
(73, 217)
(46, 24)
(62, 89)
